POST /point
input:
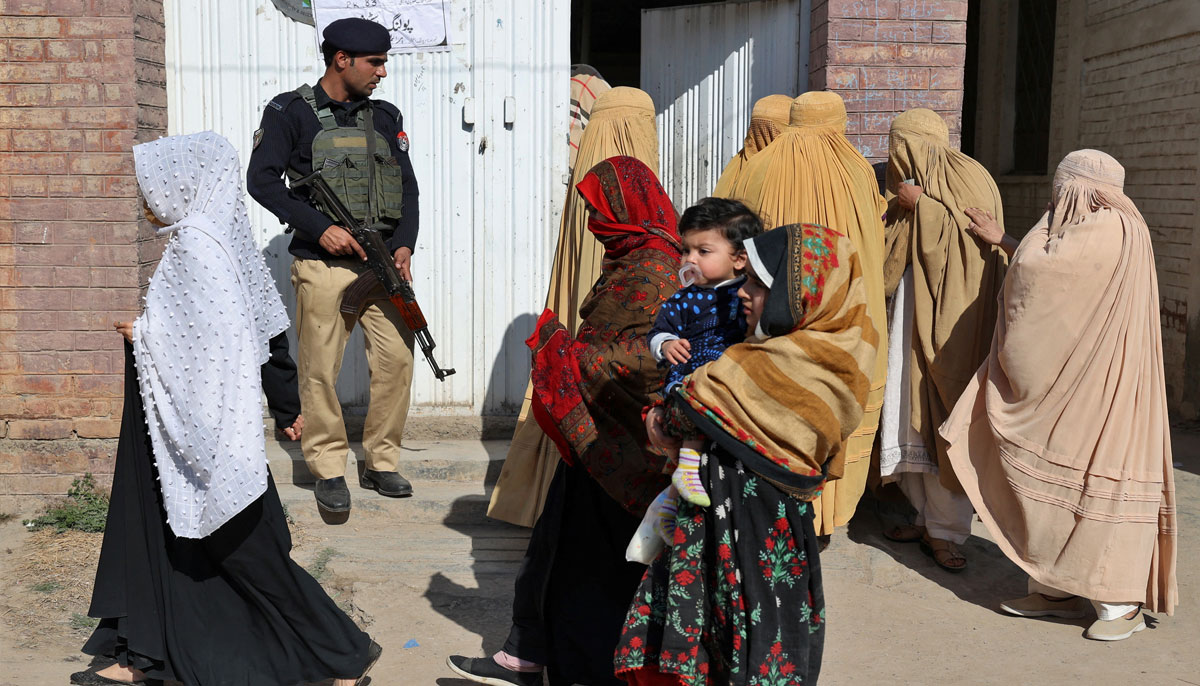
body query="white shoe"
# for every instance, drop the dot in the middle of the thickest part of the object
(1117, 629)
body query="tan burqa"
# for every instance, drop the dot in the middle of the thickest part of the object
(767, 120)
(1061, 440)
(812, 174)
(621, 123)
(956, 277)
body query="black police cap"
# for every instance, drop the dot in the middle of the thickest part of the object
(358, 36)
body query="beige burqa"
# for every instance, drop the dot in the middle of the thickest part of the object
(767, 120)
(812, 174)
(621, 123)
(956, 277)
(1061, 440)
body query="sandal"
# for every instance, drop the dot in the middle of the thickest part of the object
(944, 553)
(904, 533)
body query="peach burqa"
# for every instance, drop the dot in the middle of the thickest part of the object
(1061, 440)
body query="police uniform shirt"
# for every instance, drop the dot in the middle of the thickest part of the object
(285, 141)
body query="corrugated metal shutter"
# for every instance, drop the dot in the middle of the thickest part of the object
(704, 66)
(491, 192)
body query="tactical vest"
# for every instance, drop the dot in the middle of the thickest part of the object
(357, 163)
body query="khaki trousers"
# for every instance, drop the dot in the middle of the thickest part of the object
(322, 332)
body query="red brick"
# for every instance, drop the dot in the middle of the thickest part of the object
(895, 78)
(36, 209)
(25, 50)
(897, 31)
(68, 233)
(10, 363)
(28, 140)
(70, 255)
(844, 78)
(10, 462)
(848, 29)
(863, 9)
(101, 117)
(933, 9)
(39, 484)
(64, 50)
(933, 100)
(112, 8)
(97, 428)
(932, 55)
(39, 27)
(38, 341)
(100, 385)
(31, 118)
(36, 460)
(947, 78)
(27, 186)
(72, 276)
(872, 146)
(40, 299)
(949, 32)
(98, 27)
(99, 72)
(41, 72)
(101, 163)
(33, 163)
(36, 385)
(877, 122)
(102, 299)
(39, 429)
(52, 8)
(104, 209)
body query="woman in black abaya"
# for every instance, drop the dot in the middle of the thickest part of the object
(195, 581)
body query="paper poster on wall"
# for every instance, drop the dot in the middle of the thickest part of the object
(415, 25)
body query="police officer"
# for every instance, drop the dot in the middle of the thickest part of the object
(361, 146)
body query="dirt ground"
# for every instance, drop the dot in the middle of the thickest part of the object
(426, 589)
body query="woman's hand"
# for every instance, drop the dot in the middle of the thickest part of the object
(985, 227)
(656, 430)
(677, 351)
(293, 432)
(125, 329)
(908, 194)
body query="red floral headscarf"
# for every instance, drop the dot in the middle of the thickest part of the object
(631, 208)
(589, 391)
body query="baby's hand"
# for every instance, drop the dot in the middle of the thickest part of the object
(677, 351)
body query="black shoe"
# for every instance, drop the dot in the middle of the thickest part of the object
(94, 679)
(333, 495)
(390, 484)
(485, 670)
(373, 653)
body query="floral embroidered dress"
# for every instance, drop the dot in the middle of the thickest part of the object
(589, 390)
(737, 599)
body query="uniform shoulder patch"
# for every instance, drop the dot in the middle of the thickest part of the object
(258, 136)
(281, 101)
(402, 141)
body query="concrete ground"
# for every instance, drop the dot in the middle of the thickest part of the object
(431, 575)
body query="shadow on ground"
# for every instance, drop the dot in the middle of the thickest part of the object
(989, 579)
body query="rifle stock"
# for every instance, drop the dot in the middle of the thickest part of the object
(383, 272)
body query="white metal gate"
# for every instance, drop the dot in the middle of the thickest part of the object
(704, 66)
(491, 190)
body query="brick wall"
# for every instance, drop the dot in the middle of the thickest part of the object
(80, 81)
(1124, 82)
(888, 56)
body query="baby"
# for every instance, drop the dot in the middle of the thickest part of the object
(696, 325)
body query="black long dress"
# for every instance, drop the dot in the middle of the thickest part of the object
(574, 585)
(230, 609)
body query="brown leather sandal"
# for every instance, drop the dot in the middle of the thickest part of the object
(944, 553)
(904, 533)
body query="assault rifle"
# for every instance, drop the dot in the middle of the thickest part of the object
(383, 271)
